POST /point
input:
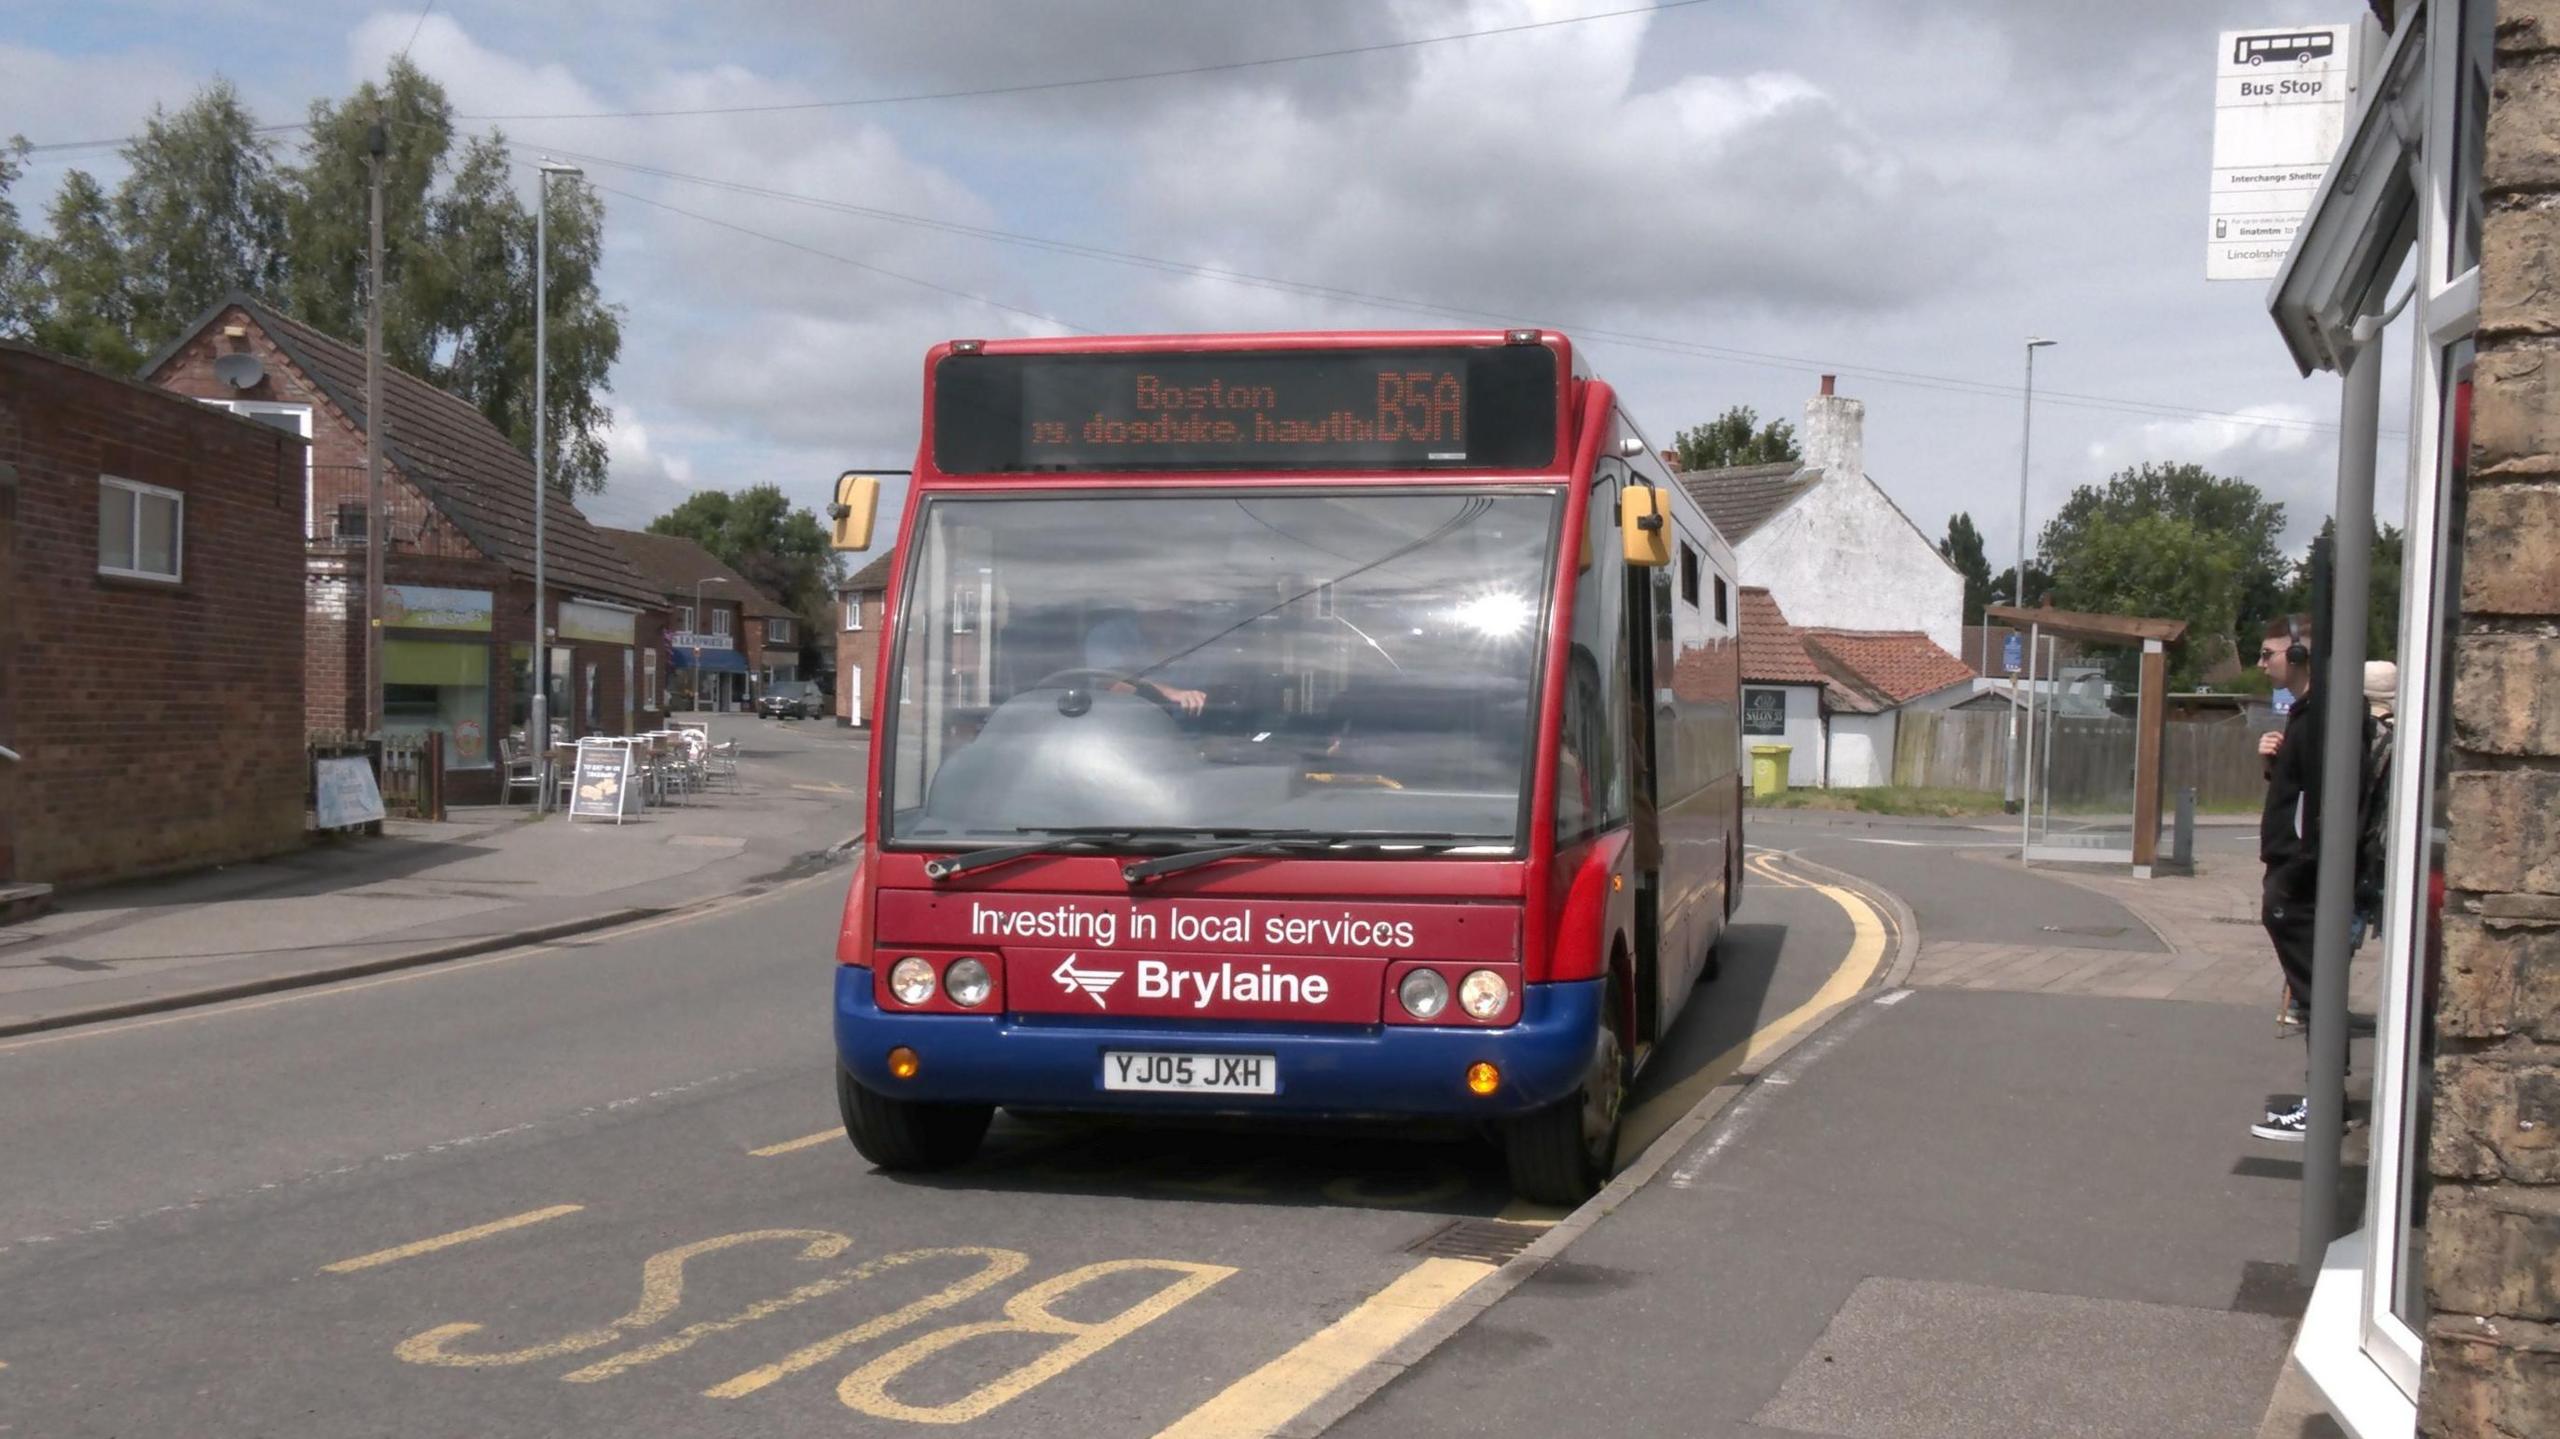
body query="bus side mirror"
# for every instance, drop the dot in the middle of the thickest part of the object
(856, 506)
(1644, 526)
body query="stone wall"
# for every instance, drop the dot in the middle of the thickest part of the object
(2493, 1220)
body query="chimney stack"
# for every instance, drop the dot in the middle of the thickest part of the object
(1834, 435)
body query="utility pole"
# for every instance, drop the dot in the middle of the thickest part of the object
(377, 143)
(541, 728)
(2026, 432)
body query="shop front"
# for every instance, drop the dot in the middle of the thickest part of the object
(708, 676)
(436, 667)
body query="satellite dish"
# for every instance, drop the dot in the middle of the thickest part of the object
(240, 371)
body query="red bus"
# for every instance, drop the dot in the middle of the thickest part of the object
(1332, 725)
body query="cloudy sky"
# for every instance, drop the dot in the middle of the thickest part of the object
(1727, 197)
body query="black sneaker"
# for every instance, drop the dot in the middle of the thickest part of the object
(2286, 1125)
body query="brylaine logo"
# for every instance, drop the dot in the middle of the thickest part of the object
(1095, 983)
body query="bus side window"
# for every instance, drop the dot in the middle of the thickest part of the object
(1590, 778)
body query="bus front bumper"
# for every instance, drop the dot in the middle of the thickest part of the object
(1336, 1071)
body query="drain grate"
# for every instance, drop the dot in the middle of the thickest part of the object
(1491, 1241)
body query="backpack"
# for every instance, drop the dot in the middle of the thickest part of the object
(2373, 811)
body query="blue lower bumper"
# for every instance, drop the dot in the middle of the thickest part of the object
(1340, 1071)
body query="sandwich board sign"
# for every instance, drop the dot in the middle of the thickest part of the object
(2280, 103)
(601, 786)
(343, 793)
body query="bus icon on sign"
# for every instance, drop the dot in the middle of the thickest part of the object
(2301, 49)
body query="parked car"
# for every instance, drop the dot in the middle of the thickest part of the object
(791, 699)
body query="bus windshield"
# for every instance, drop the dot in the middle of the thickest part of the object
(1354, 664)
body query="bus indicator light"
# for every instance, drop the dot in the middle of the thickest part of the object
(903, 1063)
(1483, 1078)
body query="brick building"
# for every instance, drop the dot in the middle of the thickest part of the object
(459, 653)
(861, 621)
(738, 637)
(2437, 1304)
(151, 629)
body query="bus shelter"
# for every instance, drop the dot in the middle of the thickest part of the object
(2090, 784)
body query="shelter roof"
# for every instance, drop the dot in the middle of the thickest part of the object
(2096, 629)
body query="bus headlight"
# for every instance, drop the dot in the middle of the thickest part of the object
(911, 980)
(1483, 994)
(1424, 992)
(968, 983)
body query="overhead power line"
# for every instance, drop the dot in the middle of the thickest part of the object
(1954, 384)
(1028, 87)
(844, 259)
(1081, 82)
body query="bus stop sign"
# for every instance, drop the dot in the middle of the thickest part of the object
(2012, 653)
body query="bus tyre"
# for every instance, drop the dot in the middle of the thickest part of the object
(1563, 1153)
(905, 1134)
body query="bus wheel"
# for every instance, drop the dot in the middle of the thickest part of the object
(905, 1133)
(1563, 1153)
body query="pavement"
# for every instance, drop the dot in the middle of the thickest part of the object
(1885, 1178)
(2013, 1195)
(486, 878)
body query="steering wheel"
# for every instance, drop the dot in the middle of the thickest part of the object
(1146, 689)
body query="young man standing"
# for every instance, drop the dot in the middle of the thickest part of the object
(2289, 839)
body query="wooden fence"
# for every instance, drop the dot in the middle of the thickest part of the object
(2092, 756)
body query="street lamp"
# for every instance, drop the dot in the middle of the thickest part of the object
(697, 634)
(2026, 432)
(541, 726)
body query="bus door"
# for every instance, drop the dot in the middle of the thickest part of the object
(1641, 612)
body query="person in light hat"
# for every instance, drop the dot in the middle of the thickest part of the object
(2381, 686)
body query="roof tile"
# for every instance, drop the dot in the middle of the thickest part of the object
(1900, 665)
(1742, 498)
(1773, 650)
(443, 445)
(674, 562)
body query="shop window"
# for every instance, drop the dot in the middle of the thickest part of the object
(442, 687)
(140, 530)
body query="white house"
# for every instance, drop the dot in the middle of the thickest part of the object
(1826, 541)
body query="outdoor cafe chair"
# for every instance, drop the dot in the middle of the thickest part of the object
(522, 770)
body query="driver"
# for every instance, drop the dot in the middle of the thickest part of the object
(1118, 643)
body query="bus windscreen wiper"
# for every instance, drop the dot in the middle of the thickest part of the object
(1083, 836)
(1277, 841)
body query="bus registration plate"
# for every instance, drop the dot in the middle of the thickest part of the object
(1191, 1073)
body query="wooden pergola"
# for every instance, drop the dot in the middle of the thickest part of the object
(2154, 636)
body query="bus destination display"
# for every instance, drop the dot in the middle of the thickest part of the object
(1447, 408)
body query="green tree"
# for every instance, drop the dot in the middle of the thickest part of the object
(2382, 605)
(2163, 565)
(201, 213)
(79, 295)
(1962, 548)
(2004, 585)
(329, 216)
(782, 550)
(1736, 437)
(2229, 511)
(15, 260)
(485, 232)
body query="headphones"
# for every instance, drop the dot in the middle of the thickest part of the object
(2297, 651)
